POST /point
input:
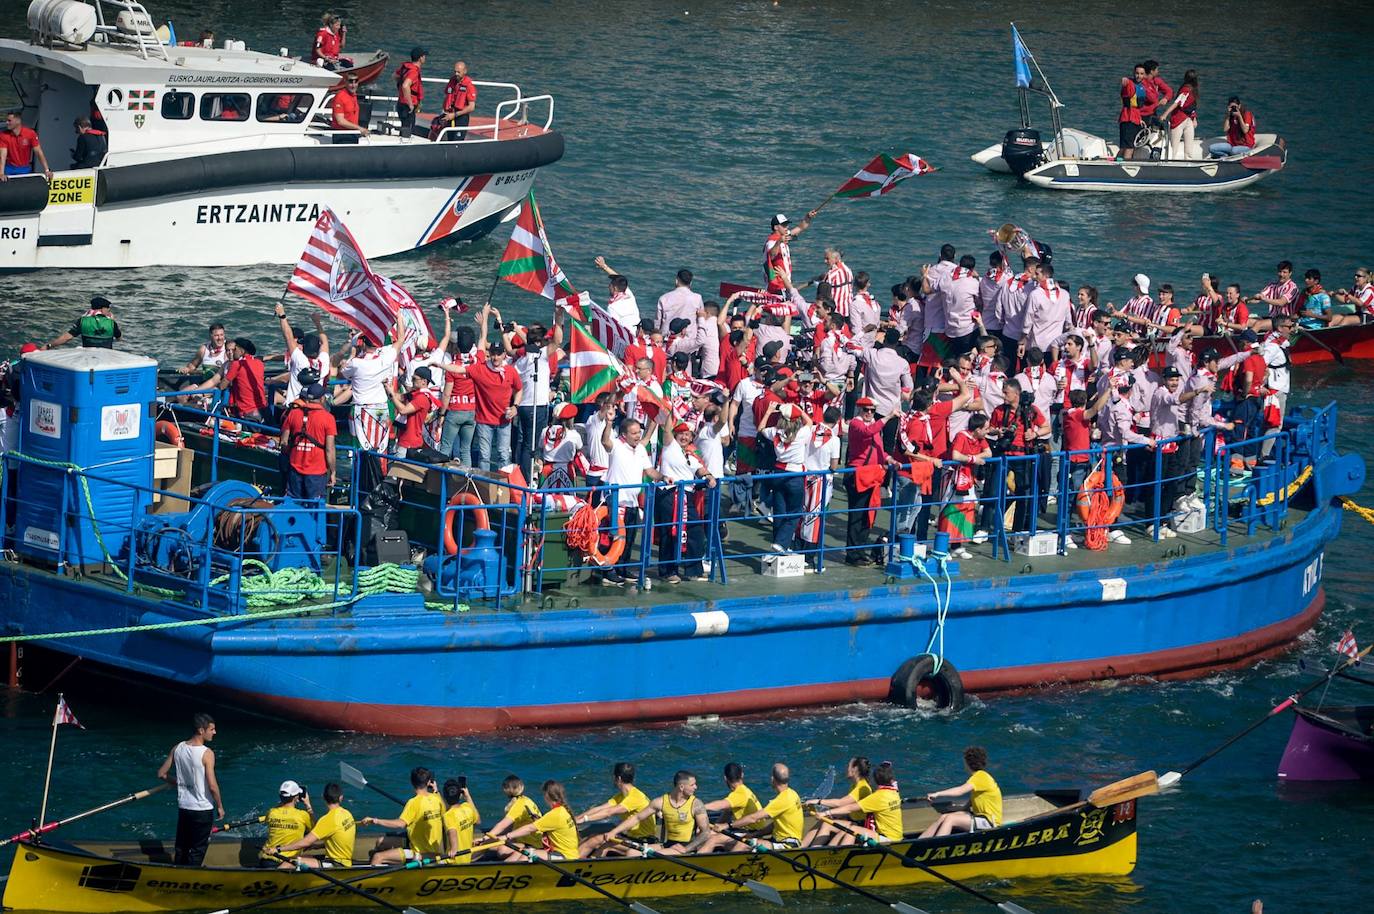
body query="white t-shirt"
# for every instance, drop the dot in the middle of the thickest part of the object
(597, 458)
(790, 454)
(368, 374)
(533, 368)
(822, 446)
(560, 445)
(627, 466)
(677, 464)
(625, 310)
(299, 361)
(1277, 375)
(711, 446)
(746, 392)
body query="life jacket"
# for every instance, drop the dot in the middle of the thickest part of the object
(96, 329)
(410, 69)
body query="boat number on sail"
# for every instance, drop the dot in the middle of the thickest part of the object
(1312, 574)
(78, 189)
(250, 213)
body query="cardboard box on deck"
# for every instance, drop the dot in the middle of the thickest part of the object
(490, 487)
(171, 476)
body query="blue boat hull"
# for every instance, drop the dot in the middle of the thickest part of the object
(397, 668)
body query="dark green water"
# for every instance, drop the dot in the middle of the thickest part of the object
(685, 133)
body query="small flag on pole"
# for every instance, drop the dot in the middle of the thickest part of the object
(1347, 645)
(528, 260)
(882, 174)
(64, 714)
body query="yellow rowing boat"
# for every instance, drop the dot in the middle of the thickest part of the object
(1047, 835)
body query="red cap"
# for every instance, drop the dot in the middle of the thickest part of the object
(27, 348)
(681, 427)
(784, 372)
(864, 401)
(566, 411)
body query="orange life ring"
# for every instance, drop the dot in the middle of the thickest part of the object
(1093, 494)
(616, 549)
(170, 432)
(479, 517)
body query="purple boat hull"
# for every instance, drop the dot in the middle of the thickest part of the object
(1334, 744)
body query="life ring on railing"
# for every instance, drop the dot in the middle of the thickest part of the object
(616, 548)
(168, 431)
(916, 682)
(479, 517)
(1094, 508)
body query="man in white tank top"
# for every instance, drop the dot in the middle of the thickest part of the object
(191, 767)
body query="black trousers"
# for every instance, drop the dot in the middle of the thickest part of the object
(669, 561)
(193, 835)
(857, 525)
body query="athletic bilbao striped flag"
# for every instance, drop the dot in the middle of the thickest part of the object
(593, 368)
(528, 261)
(882, 174)
(610, 333)
(64, 714)
(333, 273)
(1347, 645)
(418, 335)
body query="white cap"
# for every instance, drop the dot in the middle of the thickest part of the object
(780, 219)
(290, 789)
(1144, 282)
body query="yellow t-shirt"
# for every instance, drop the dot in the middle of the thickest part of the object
(285, 824)
(858, 792)
(424, 819)
(742, 802)
(679, 822)
(558, 827)
(885, 804)
(461, 819)
(634, 800)
(785, 810)
(522, 811)
(987, 798)
(336, 830)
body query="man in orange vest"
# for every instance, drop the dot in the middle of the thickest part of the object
(410, 90)
(460, 98)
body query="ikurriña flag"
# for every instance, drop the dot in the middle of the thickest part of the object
(593, 369)
(883, 173)
(528, 261)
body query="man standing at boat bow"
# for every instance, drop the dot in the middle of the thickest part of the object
(191, 767)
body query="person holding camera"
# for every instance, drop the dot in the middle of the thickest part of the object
(422, 818)
(329, 43)
(1240, 130)
(460, 817)
(1017, 428)
(287, 823)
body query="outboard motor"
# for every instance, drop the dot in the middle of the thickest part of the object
(1022, 150)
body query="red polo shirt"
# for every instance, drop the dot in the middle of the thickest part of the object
(309, 418)
(495, 389)
(19, 147)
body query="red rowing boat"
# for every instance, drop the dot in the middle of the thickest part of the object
(366, 70)
(1352, 341)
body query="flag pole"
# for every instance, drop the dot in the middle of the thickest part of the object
(47, 778)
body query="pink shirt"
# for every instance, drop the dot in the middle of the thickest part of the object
(937, 301)
(680, 302)
(886, 376)
(863, 311)
(1047, 313)
(960, 293)
(990, 295)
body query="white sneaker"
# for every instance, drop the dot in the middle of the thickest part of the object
(1166, 533)
(1116, 536)
(963, 554)
(1051, 500)
(1070, 543)
(776, 548)
(979, 538)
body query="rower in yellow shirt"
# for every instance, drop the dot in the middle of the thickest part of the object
(858, 772)
(880, 809)
(335, 828)
(985, 803)
(423, 820)
(739, 802)
(684, 822)
(286, 823)
(520, 811)
(459, 819)
(556, 829)
(784, 811)
(627, 801)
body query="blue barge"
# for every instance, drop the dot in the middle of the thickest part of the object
(208, 598)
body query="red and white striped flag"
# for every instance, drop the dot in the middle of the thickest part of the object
(64, 714)
(606, 330)
(1347, 645)
(418, 335)
(333, 273)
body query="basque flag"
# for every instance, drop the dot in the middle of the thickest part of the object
(64, 714)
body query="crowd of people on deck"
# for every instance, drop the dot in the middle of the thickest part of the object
(785, 397)
(1148, 101)
(442, 824)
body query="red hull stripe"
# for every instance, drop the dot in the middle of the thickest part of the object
(404, 720)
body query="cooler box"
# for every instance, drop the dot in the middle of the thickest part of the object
(92, 408)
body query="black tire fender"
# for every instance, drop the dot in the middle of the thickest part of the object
(916, 680)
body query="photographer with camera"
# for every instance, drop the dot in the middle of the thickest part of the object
(1017, 428)
(1240, 130)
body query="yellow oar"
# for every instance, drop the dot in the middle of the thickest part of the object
(1007, 907)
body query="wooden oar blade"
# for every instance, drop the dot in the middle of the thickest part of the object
(901, 907)
(1141, 785)
(766, 892)
(641, 908)
(351, 776)
(1011, 907)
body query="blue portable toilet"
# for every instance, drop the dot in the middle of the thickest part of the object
(92, 408)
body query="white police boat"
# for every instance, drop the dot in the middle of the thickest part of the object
(224, 156)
